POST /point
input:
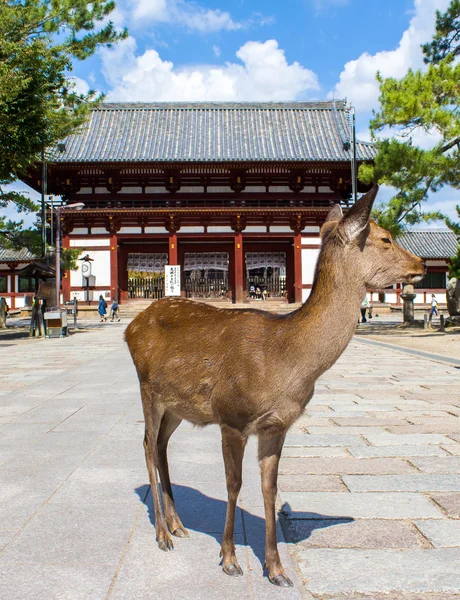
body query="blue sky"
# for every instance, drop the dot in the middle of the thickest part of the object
(264, 50)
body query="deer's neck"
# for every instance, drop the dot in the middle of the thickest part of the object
(326, 323)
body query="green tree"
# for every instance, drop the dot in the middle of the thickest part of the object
(39, 42)
(422, 100)
(454, 266)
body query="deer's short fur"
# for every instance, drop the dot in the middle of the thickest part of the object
(252, 372)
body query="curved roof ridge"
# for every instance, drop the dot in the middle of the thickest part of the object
(289, 105)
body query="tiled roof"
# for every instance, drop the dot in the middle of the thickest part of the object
(199, 132)
(22, 255)
(434, 243)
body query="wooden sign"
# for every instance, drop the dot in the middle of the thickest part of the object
(172, 280)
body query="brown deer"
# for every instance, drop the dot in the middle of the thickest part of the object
(252, 372)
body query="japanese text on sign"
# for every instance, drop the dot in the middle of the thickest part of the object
(172, 280)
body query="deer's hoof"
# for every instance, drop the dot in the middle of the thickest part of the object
(281, 581)
(233, 569)
(180, 532)
(166, 544)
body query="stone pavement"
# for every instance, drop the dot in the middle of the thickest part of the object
(369, 483)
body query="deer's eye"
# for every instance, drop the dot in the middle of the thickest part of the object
(386, 240)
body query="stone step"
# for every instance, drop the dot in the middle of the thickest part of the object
(133, 308)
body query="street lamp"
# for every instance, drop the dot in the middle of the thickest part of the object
(59, 209)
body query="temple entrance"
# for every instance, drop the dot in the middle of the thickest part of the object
(206, 274)
(146, 275)
(266, 274)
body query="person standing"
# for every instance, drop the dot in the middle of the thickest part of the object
(102, 308)
(364, 307)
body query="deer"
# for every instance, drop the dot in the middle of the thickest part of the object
(252, 372)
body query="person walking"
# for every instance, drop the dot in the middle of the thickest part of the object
(364, 307)
(114, 310)
(102, 308)
(434, 306)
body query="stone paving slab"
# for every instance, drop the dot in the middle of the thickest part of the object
(338, 466)
(446, 464)
(442, 534)
(311, 483)
(394, 439)
(326, 440)
(420, 482)
(397, 451)
(361, 533)
(316, 452)
(336, 505)
(450, 503)
(383, 571)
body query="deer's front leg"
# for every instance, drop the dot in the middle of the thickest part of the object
(233, 444)
(270, 447)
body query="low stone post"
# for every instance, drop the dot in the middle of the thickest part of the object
(425, 321)
(2, 313)
(442, 328)
(408, 297)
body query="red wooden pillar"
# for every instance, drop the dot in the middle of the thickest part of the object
(12, 267)
(297, 266)
(66, 277)
(113, 265)
(238, 291)
(123, 273)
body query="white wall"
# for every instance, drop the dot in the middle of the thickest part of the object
(100, 268)
(83, 243)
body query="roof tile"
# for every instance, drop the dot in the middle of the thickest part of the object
(199, 132)
(434, 243)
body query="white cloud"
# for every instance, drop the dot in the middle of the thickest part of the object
(216, 51)
(139, 13)
(80, 85)
(357, 80)
(263, 75)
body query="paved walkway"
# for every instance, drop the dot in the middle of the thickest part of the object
(369, 484)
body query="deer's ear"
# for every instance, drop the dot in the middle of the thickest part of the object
(357, 218)
(335, 214)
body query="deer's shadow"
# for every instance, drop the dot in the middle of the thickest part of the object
(205, 514)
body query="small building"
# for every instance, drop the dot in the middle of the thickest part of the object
(436, 247)
(16, 288)
(234, 193)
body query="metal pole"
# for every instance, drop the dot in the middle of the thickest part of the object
(58, 256)
(44, 190)
(75, 307)
(51, 220)
(354, 172)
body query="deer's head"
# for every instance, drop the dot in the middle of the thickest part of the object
(367, 250)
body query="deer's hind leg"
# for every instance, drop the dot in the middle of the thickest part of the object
(153, 415)
(233, 445)
(169, 424)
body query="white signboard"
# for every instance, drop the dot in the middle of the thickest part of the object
(172, 280)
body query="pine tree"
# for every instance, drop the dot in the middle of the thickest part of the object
(39, 42)
(422, 100)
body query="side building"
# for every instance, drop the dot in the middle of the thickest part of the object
(233, 193)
